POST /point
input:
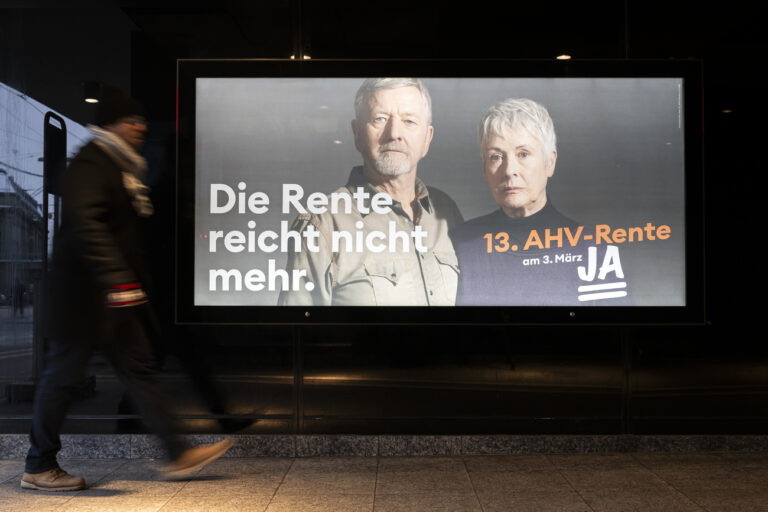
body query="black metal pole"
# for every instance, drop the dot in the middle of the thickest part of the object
(54, 161)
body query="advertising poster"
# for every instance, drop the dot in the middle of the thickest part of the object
(297, 188)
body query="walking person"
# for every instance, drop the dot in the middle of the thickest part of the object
(99, 299)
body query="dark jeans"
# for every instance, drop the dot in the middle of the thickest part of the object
(123, 341)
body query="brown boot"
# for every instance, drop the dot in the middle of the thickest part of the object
(52, 480)
(195, 458)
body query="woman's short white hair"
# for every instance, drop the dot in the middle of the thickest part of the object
(517, 113)
(371, 85)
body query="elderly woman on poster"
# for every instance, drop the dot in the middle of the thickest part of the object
(527, 253)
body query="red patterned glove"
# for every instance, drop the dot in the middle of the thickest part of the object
(126, 295)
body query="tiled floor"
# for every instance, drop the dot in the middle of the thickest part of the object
(665, 482)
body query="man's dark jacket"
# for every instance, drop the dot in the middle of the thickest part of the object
(98, 246)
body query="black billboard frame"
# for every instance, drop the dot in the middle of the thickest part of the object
(692, 313)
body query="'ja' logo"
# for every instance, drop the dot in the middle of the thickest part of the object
(611, 265)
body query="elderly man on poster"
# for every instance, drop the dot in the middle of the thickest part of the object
(393, 130)
(527, 253)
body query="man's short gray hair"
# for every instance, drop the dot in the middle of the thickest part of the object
(516, 113)
(371, 85)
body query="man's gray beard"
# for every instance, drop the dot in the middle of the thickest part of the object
(393, 164)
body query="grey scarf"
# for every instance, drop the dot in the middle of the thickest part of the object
(132, 165)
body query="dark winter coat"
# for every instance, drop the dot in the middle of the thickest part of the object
(98, 246)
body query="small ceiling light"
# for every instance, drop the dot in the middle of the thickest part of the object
(91, 92)
(726, 111)
(306, 57)
(564, 56)
(337, 141)
(292, 57)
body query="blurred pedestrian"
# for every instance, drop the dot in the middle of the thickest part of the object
(99, 300)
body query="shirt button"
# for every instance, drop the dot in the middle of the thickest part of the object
(431, 292)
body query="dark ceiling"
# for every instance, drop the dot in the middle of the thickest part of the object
(135, 43)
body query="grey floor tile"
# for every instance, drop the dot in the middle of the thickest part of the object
(323, 503)
(37, 502)
(334, 465)
(247, 467)
(749, 460)
(507, 463)
(92, 470)
(639, 500)
(14, 498)
(424, 482)
(11, 469)
(568, 501)
(591, 460)
(114, 503)
(231, 486)
(614, 478)
(684, 482)
(759, 475)
(418, 464)
(425, 502)
(217, 503)
(138, 486)
(526, 482)
(139, 469)
(681, 459)
(731, 500)
(692, 478)
(146, 472)
(340, 483)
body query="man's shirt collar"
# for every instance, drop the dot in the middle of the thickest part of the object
(358, 179)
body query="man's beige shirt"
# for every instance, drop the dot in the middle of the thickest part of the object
(412, 278)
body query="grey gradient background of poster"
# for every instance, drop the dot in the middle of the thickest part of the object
(620, 161)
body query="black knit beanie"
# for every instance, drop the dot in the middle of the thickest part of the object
(114, 104)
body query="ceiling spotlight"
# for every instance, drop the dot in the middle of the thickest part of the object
(564, 56)
(91, 92)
